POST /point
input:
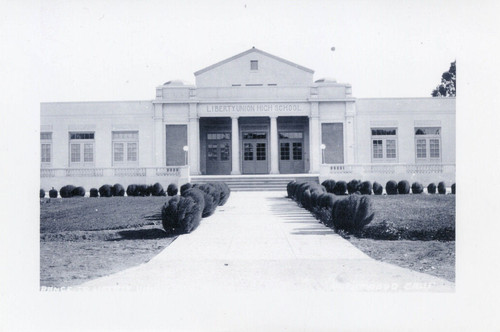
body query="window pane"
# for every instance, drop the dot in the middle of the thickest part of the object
(130, 135)
(45, 154)
(261, 151)
(248, 151)
(421, 148)
(285, 151)
(212, 152)
(254, 65)
(390, 148)
(118, 152)
(377, 149)
(88, 153)
(434, 148)
(46, 136)
(75, 153)
(297, 151)
(82, 135)
(224, 151)
(382, 131)
(427, 131)
(132, 152)
(291, 134)
(254, 135)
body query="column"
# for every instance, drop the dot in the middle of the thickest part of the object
(349, 133)
(314, 145)
(158, 143)
(235, 146)
(194, 145)
(274, 145)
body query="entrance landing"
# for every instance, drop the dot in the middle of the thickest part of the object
(265, 242)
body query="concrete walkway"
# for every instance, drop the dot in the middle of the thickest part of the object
(262, 241)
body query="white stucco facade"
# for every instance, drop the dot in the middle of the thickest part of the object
(253, 113)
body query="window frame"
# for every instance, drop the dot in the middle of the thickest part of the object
(46, 141)
(81, 142)
(254, 65)
(428, 138)
(384, 138)
(126, 142)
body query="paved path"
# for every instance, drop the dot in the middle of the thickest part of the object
(262, 241)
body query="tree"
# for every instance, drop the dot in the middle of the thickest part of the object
(448, 86)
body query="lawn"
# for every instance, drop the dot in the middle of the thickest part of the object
(84, 238)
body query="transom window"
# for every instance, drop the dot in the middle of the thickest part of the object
(81, 149)
(125, 148)
(384, 144)
(428, 144)
(254, 65)
(46, 148)
(218, 136)
(254, 135)
(291, 134)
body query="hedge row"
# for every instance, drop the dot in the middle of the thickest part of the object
(182, 214)
(349, 214)
(391, 187)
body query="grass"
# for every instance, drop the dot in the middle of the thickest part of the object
(83, 238)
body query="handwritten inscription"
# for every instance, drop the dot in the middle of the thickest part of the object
(253, 108)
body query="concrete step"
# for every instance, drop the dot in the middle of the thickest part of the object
(255, 182)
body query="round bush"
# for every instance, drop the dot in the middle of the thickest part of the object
(117, 190)
(186, 186)
(196, 195)
(442, 188)
(142, 190)
(329, 185)
(157, 190)
(290, 188)
(327, 200)
(42, 193)
(353, 213)
(132, 190)
(377, 188)
(172, 189)
(53, 193)
(78, 191)
(453, 189)
(391, 187)
(66, 191)
(105, 190)
(94, 192)
(211, 197)
(180, 215)
(353, 186)
(403, 187)
(224, 191)
(417, 188)
(431, 188)
(340, 188)
(365, 188)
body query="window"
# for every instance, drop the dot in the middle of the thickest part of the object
(384, 144)
(254, 65)
(81, 149)
(428, 144)
(46, 149)
(261, 151)
(218, 136)
(125, 148)
(297, 151)
(292, 134)
(285, 151)
(248, 151)
(254, 135)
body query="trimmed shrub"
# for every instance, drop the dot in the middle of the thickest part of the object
(94, 192)
(142, 190)
(453, 189)
(377, 188)
(417, 188)
(327, 201)
(172, 189)
(442, 188)
(132, 190)
(196, 195)
(66, 191)
(180, 215)
(186, 186)
(290, 188)
(224, 191)
(157, 190)
(329, 185)
(353, 213)
(42, 193)
(53, 193)
(403, 187)
(391, 187)
(340, 188)
(78, 191)
(353, 186)
(105, 190)
(211, 197)
(365, 188)
(431, 188)
(117, 190)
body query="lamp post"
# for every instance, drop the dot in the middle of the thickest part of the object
(323, 147)
(186, 149)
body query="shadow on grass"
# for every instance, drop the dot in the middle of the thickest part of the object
(156, 216)
(143, 234)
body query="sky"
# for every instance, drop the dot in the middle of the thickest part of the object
(122, 50)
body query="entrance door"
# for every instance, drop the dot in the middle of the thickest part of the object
(218, 153)
(291, 152)
(254, 153)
